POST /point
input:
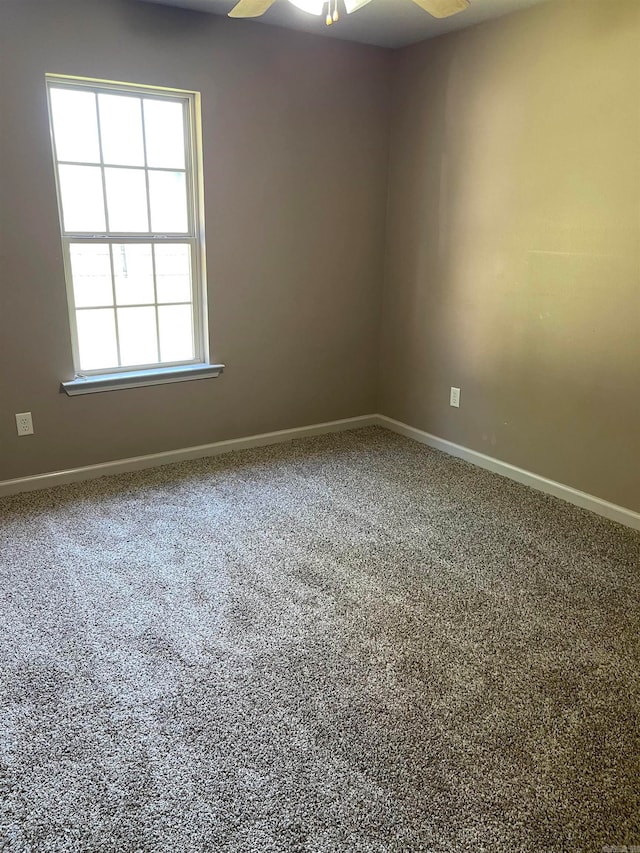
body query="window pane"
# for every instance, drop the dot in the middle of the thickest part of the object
(138, 340)
(168, 196)
(126, 199)
(176, 333)
(97, 338)
(173, 272)
(82, 198)
(121, 130)
(91, 273)
(75, 125)
(133, 273)
(164, 133)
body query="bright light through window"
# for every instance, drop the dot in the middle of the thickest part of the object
(124, 158)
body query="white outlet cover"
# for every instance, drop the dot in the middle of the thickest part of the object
(454, 398)
(24, 423)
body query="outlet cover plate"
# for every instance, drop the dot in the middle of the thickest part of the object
(24, 423)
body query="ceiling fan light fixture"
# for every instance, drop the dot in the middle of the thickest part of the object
(316, 7)
(312, 7)
(255, 8)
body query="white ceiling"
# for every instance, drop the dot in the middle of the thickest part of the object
(388, 23)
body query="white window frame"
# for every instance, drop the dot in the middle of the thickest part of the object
(195, 237)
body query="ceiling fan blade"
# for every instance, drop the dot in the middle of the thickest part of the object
(354, 5)
(250, 8)
(443, 8)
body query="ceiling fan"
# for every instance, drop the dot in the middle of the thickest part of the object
(255, 8)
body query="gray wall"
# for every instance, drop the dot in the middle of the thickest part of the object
(513, 256)
(295, 148)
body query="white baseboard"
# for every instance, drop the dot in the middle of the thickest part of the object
(151, 460)
(135, 463)
(551, 487)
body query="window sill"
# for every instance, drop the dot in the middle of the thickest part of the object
(139, 378)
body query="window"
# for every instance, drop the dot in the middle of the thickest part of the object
(132, 233)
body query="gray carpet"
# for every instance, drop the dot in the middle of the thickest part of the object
(347, 643)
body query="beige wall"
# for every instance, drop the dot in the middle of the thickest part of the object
(296, 145)
(513, 257)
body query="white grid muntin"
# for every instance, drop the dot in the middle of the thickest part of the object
(193, 236)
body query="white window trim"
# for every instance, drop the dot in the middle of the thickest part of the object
(90, 381)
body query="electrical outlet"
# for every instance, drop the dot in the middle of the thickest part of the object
(454, 398)
(24, 424)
